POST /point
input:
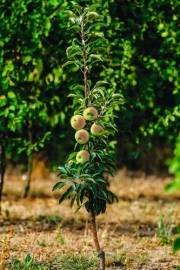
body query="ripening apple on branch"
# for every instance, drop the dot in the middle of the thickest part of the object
(78, 121)
(82, 136)
(89, 165)
(90, 113)
(97, 130)
(82, 156)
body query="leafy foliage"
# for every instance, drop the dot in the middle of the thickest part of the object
(174, 168)
(141, 61)
(88, 180)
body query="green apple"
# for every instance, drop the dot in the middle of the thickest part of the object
(78, 121)
(90, 113)
(82, 156)
(82, 136)
(97, 130)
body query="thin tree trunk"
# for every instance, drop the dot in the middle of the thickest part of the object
(2, 170)
(101, 253)
(29, 172)
(30, 164)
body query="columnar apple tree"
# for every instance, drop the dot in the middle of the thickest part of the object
(86, 169)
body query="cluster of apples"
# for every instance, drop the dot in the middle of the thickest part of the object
(78, 122)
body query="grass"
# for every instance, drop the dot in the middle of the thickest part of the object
(136, 233)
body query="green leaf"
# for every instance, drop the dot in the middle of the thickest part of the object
(98, 90)
(68, 63)
(78, 87)
(173, 186)
(96, 56)
(88, 206)
(84, 175)
(97, 208)
(11, 95)
(72, 201)
(176, 244)
(103, 194)
(94, 7)
(93, 15)
(76, 6)
(99, 83)
(71, 156)
(89, 179)
(62, 169)
(93, 188)
(112, 196)
(66, 194)
(59, 185)
(76, 27)
(28, 260)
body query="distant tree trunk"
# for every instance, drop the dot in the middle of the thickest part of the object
(101, 253)
(30, 164)
(2, 168)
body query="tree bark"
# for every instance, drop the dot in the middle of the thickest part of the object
(101, 253)
(30, 164)
(29, 172)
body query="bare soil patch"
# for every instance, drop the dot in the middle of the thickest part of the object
(128, 231)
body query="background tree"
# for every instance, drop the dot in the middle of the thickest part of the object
(144, 65)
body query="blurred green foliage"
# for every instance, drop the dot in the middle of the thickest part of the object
(142, 63)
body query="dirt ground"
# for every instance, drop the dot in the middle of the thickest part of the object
(139, 229)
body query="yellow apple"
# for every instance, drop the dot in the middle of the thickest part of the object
(82, 156)
(82, 136)
(90, 113)
(78, 121)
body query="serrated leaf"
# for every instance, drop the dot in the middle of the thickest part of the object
(59, 185)
(66, 194)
